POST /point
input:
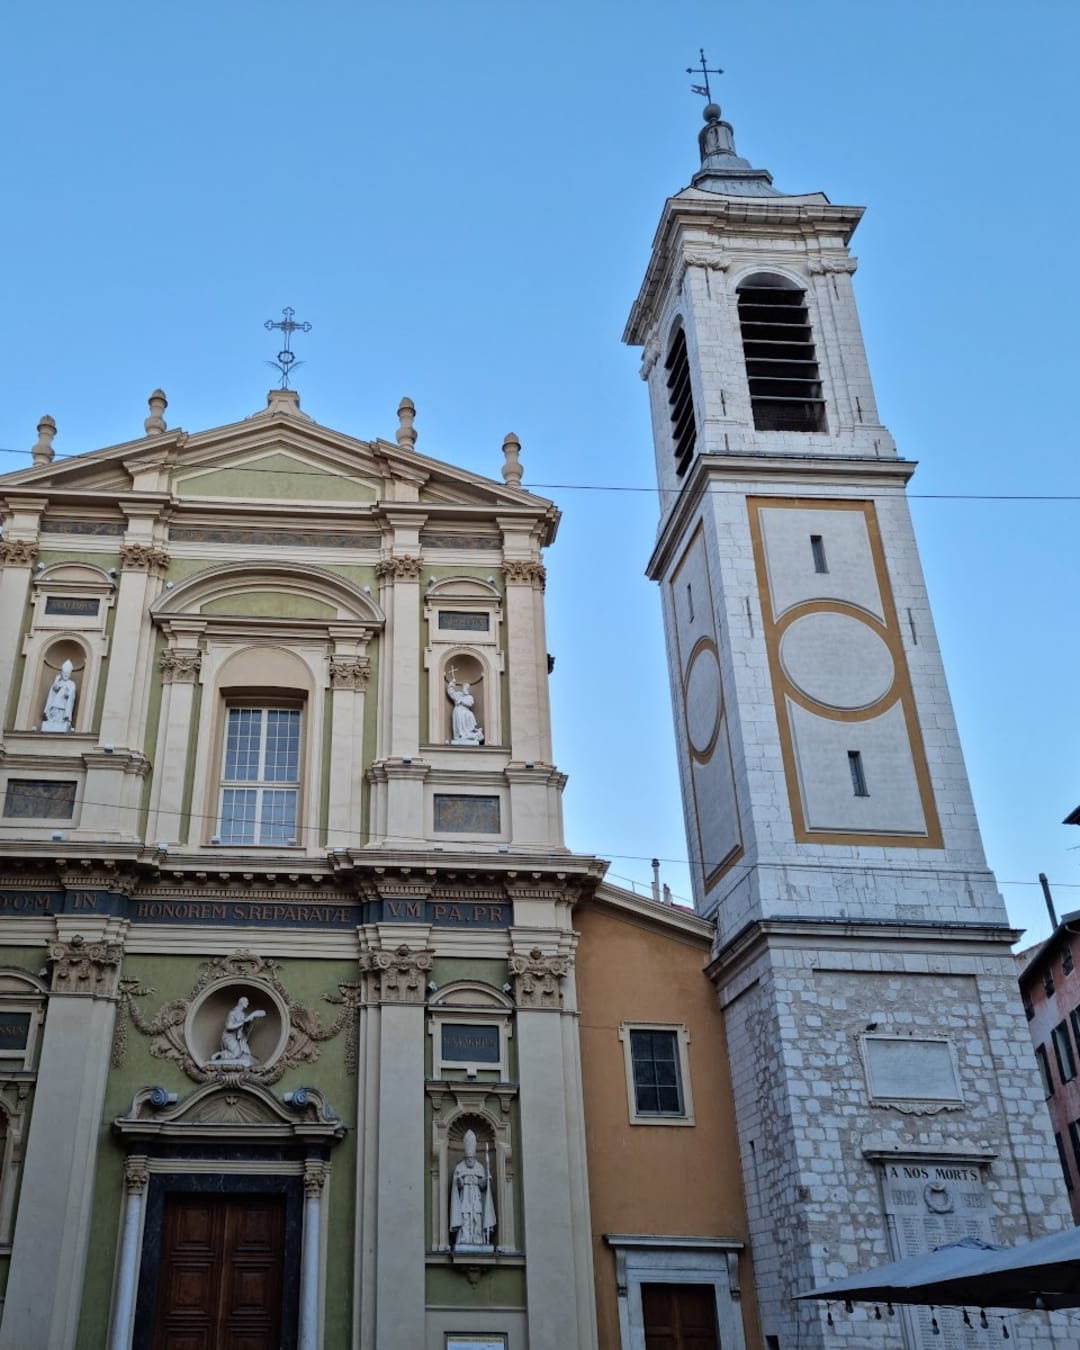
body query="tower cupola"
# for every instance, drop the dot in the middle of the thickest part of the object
(722, 170)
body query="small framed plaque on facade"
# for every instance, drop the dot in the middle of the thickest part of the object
(459, 1340)
(913, 1073)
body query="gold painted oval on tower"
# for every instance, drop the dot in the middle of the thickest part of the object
(837, 661)
(703, 699)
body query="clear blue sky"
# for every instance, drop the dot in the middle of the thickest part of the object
(460, 197)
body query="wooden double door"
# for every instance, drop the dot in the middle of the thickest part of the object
(221, 1274)
(679, 1317)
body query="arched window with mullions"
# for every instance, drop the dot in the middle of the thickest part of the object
(781, 362)
(680, 401)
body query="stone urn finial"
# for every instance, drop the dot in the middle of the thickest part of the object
(155, 424)
(511, 469)
(406, 432)
(43, 451)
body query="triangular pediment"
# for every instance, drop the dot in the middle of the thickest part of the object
(273, 458)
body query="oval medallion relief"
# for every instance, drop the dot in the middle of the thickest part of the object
(837, 661)
(703, 700)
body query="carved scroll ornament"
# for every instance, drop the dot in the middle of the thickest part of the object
(167, 1027)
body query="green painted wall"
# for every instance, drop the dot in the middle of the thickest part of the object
(271, 605)
(172, 977)
(276, 477)
(503, 1287)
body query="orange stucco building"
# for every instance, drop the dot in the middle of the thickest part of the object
(665, 1183)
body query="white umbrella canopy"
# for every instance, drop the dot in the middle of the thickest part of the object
(970, 1273)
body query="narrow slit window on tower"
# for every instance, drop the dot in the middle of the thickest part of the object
(681, 403)
(858, 776)
(817, 548)
(690, 601)
(781, 362)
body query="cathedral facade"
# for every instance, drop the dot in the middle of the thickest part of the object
(297, 1047)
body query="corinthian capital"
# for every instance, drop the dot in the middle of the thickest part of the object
(538, 979)
(180, 667)
(529, 572)
(143, 558)
(399, 976)
(405, 568)
(18, 552)
(81, 967)
(349, 672)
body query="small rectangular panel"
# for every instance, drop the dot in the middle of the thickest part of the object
(821, 747)
(39, 799)
(905, 1069)
(466, 1044)
(464, 620)
(845, 548)
(14, 1032)
(72, 604)
(459, 1341)
(463, 813)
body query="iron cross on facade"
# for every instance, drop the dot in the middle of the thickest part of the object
(703, 89)
(286, 358)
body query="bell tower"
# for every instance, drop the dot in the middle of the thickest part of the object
(863, 951)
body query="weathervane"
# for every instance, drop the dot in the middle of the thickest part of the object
(286, 358)
(703, 89)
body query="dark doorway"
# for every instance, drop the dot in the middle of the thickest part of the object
(679, 1317)
(220, 1281)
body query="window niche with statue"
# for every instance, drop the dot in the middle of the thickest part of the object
(472, 1102)
(464, 662)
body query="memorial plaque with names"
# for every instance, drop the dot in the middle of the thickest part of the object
(465, 1044)
(14, 1032)
(930, 1204)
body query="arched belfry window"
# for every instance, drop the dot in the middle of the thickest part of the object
(781, 364)
(680, 402)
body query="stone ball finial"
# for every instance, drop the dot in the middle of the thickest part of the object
(511, 469)
(155, 424)
(406, 432)
(43, 451)
(712, 112)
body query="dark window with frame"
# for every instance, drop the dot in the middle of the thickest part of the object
(1029, 1011)
(781, 363)
(658, 1087)
(1067, 961)
(1074, 1139)
(1044, 1070)
(1063, 1052)
(858, 773)
(681, 402)
(1064, 1161)
(1074, 1018)
(817, 552)
(1048, 981)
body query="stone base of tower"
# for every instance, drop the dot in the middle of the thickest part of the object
(887, 1102)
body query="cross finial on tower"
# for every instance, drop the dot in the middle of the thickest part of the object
(286, 359)
(706, 71)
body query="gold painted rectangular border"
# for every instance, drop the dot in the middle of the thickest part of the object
(728, 861)
(932, 838)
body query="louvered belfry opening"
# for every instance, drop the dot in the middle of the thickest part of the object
(681, 402)
(781, 366)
